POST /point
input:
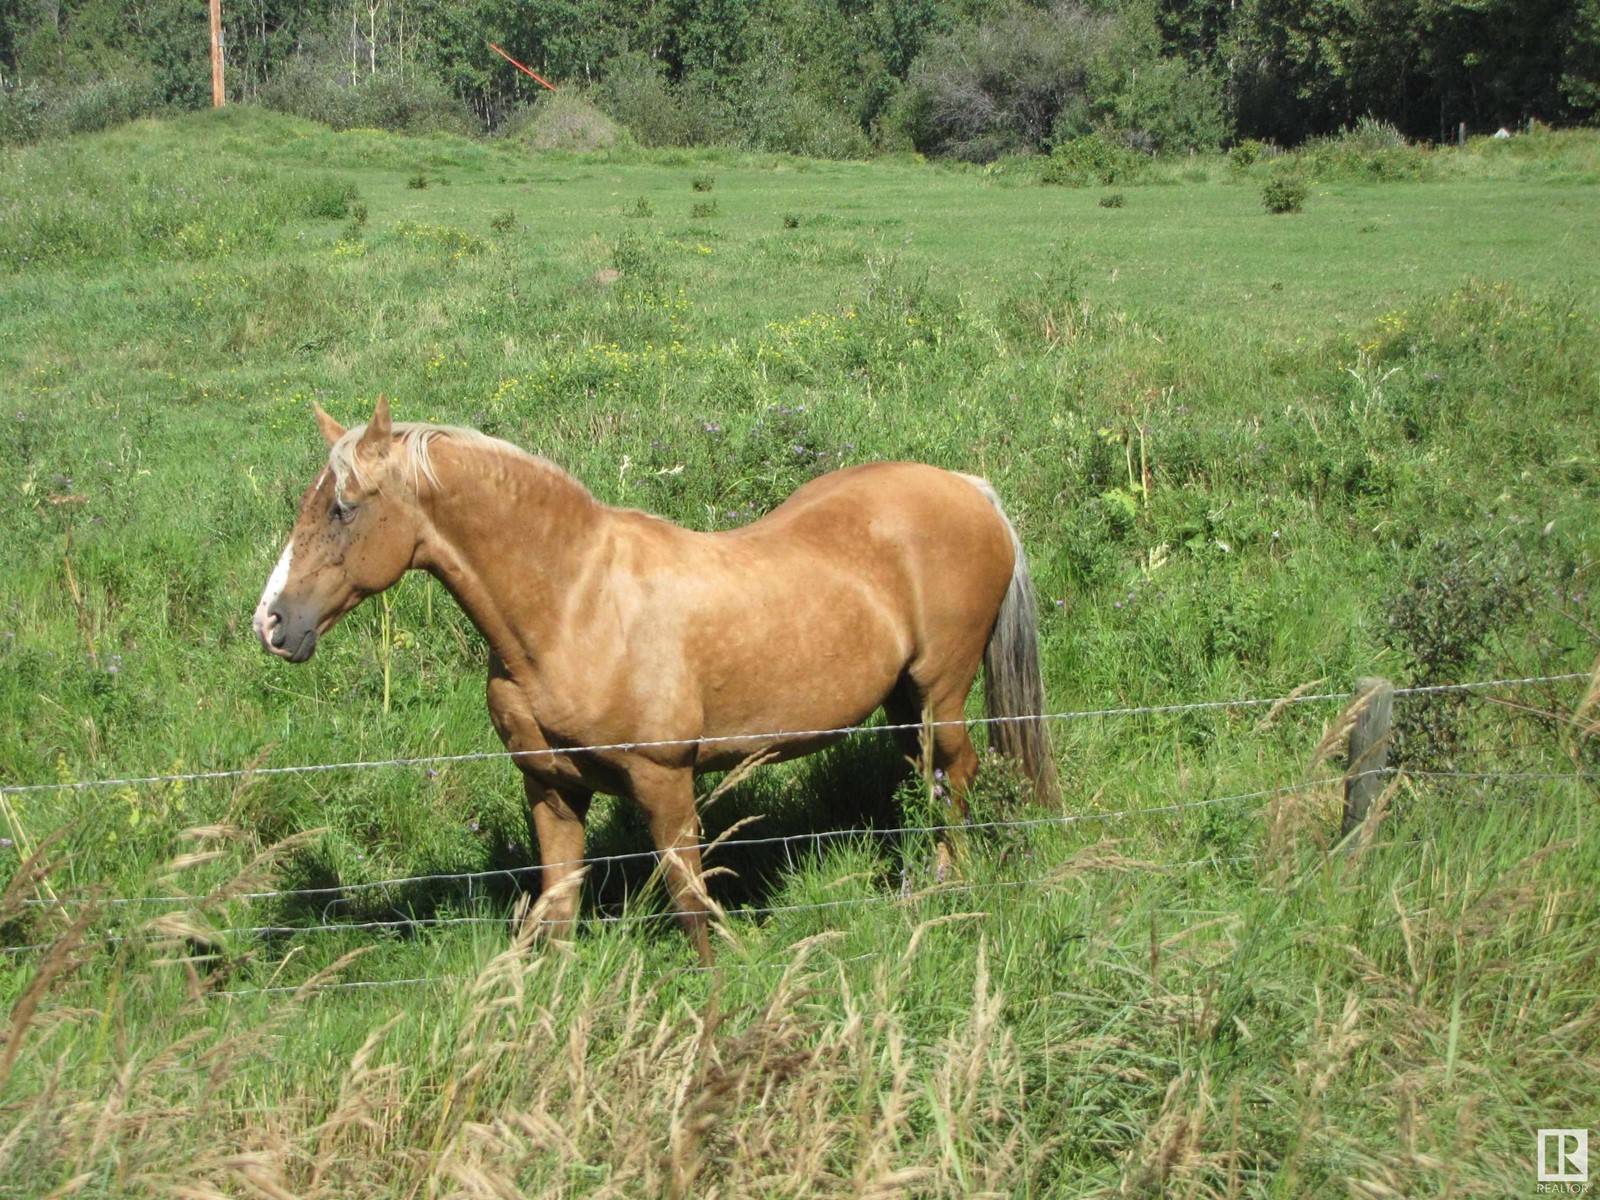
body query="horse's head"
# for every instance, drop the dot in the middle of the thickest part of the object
(357, 534)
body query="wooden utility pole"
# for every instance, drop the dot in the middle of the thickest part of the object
(219, 97)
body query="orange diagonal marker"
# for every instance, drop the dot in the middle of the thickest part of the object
(520, 67)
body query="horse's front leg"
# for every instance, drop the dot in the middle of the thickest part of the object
(667, 796)
(556, 818)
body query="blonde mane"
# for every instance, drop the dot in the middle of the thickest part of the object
(415, 440)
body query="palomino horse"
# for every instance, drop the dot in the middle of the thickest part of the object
(878, 585)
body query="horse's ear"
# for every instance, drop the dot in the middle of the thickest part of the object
(379, 436)
(332, 431)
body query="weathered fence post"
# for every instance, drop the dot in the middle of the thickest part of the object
(1369, 749)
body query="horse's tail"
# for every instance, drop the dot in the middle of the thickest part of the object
(1013, 682)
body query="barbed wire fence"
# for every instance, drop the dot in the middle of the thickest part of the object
(1359, 773)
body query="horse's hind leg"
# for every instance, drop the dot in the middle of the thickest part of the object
(556, 818)
(945, 706)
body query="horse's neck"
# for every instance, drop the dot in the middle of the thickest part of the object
(509, 535)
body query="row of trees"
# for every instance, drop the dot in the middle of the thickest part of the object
(973, 78)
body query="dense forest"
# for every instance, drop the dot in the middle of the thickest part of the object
(973, 79)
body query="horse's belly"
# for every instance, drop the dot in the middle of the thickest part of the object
(823, 667)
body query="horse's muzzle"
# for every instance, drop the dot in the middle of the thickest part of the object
(287, 639)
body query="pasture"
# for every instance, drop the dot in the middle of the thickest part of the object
(1247, 454)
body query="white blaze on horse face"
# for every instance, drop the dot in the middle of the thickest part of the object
(275, 585)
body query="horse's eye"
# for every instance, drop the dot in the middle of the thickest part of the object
(342, 512)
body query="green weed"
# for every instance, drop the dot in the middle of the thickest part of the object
(1284, 194)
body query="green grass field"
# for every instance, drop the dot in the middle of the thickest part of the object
(1246, 453)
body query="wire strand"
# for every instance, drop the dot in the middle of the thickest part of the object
(777, 736)
(708, 847)
(814, 837)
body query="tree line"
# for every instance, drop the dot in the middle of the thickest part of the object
(969, 78)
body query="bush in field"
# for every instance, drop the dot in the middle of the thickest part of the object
(1249, 152)
(1369, 149)
(1031, 77)
(24, 114)
(1284, 194)
(772, 110)
(1091, 160)
(635, 93)
(29, 112)
(379, 101)
(563, 120)
(108, 102)
(1002, 84)
(1466, 593)
(1165, 107)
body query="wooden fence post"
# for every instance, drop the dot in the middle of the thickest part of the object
(1369, 749)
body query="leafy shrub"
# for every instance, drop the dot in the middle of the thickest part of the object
(1001, 84)
(1114, 200)
(703, 209)
(643, 208)
(417, 181)
(1166, 107)
(107, 102)
(1466, 592)
(1248, 152)
(1370, 135)
(1089, 160)
(30, 112)
(1284, 194)
(704, 183)
(642, 264)
(504, 222)
(635, 93)
(328, 199)
(24, 114)
(1369, 149)
(414, 104)
(773, 109)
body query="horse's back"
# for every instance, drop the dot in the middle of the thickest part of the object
(896, 503)
(921, 526)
